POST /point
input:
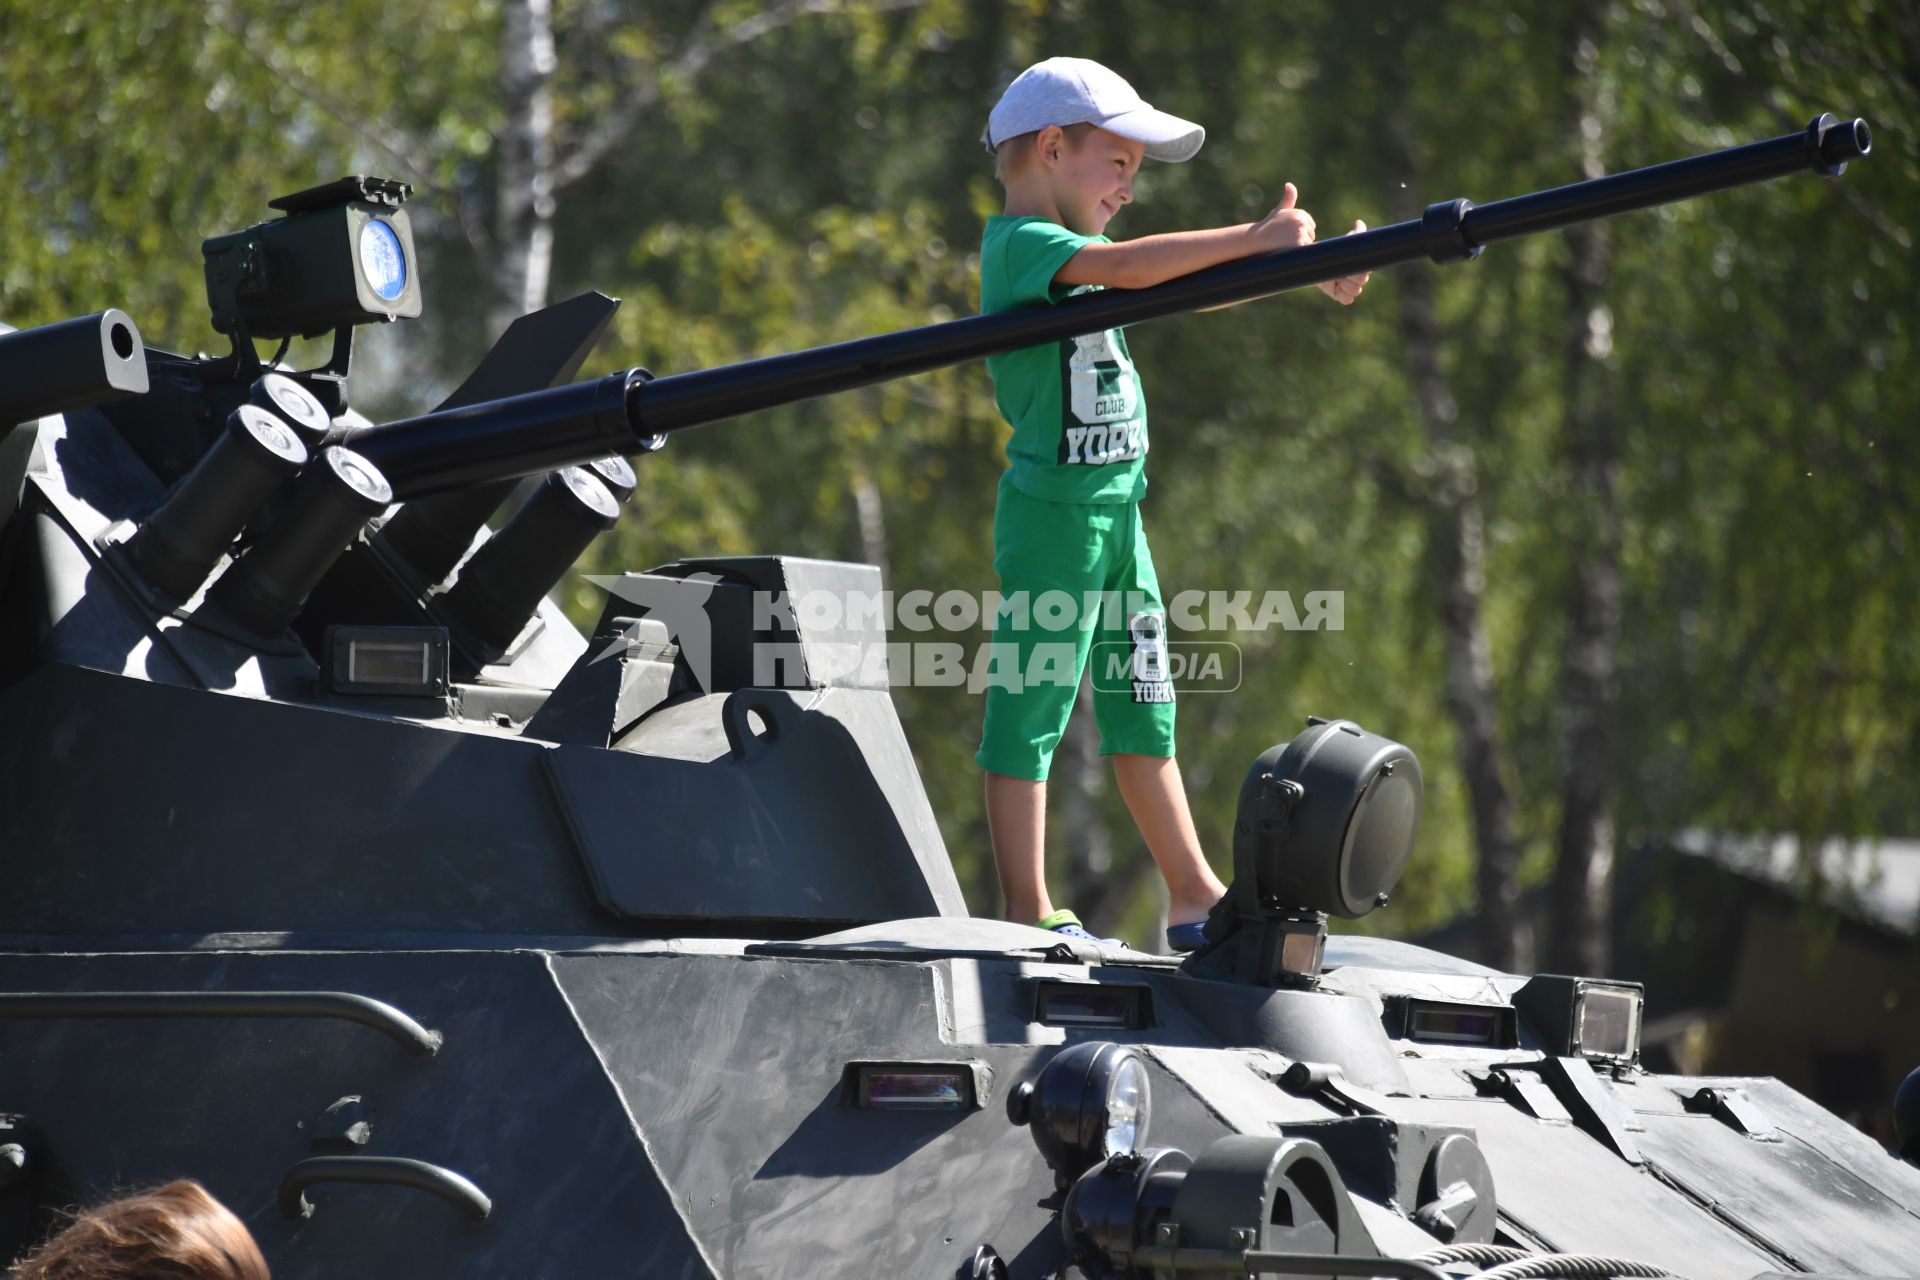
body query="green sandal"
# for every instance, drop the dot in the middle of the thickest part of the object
(1068, 925)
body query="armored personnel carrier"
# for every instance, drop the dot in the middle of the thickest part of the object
(439, 939)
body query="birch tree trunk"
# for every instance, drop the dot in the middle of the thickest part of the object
(1582, 904)
(1449, 502)
(1456, 550)
(519, 273)
(870, 515)
(530, 172)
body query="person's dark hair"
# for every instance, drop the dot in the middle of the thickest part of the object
(177, 1232)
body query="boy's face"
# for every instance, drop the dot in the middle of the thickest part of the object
(1090, 177)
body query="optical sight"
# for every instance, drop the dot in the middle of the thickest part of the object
(342, 256)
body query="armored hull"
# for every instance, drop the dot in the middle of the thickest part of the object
(437, 938)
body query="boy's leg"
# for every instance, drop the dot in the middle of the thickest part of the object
(1017, 817)
(1157, 800)
(1134, 704)
(1041, 549)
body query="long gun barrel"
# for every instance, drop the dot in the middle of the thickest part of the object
(626, 413)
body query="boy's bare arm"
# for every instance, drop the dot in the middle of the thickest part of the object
(1151, 260)
(1345, 290)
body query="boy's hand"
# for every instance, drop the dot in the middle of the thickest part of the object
(1347, 288)
(1285, 227)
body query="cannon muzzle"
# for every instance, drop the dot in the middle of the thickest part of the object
(627, 413)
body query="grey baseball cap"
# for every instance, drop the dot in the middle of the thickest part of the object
(1066, 91)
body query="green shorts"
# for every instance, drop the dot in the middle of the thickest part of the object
(1076, 580)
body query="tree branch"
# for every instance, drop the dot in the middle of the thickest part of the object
(400, 145)
(1866, 210)
(702, 46)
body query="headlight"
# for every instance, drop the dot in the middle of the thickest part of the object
(1091, 1102)
(1584, 1017)
(1906, 1117)
(1111, 1212)
(1126, 1107)
(1326, 822)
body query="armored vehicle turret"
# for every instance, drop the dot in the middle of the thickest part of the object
(439, 938)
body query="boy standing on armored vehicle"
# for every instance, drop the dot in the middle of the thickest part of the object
(1068, 135)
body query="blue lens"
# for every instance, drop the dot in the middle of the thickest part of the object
(382, 260)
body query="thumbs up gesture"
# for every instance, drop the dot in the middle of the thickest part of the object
(1285, 227)
(1288, 226)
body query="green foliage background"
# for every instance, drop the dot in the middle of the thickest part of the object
(825, 182)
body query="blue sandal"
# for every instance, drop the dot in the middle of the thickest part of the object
(1192, 935)
(1186, 937)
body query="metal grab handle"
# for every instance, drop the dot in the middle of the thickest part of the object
(1234, 1262)
(389, 1170)
(1304, 1264)
(368, 1012)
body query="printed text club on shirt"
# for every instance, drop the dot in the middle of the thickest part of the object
(1104, 395)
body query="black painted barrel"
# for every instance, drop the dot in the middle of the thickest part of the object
(625, 412)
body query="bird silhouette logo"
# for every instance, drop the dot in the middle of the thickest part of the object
(679, 603)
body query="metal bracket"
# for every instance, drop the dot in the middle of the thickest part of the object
(343, 1127)
(1069, 953)
(1735, 1109)
(1329, 1084)
(1594, 1109)
(1523, 1091)
(20, 1155)
(23, 1171)
(985, 1264)
(1166, 1237)
(1443, 230)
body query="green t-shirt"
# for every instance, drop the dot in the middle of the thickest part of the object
(1078, 415)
